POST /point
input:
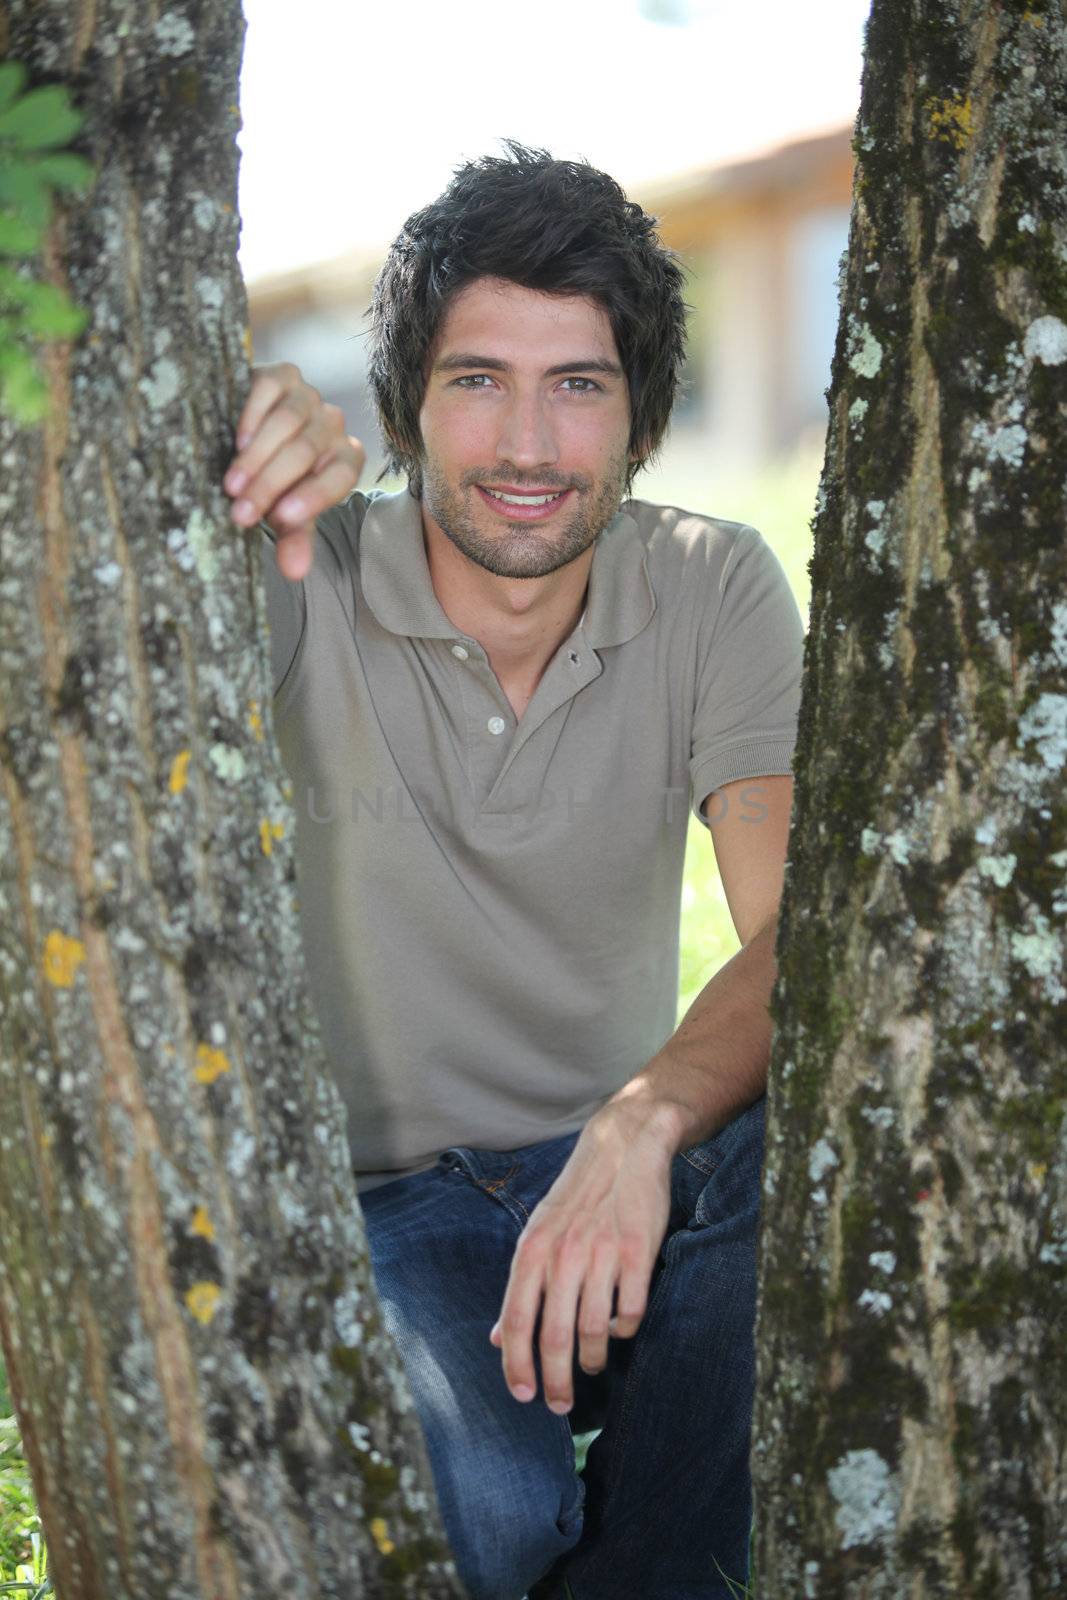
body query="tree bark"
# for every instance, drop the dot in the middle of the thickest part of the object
(208, 1399)
(911, 1423)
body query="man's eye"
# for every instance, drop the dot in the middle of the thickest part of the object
(473, 380)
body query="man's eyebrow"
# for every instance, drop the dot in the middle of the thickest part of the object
(463, 359)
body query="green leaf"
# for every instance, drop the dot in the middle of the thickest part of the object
(42, 119)
(66, 171)
(15, 291)
(23, 191)
(18, 237)
(51, 315)
(12, 355)
(23, 393)
(12, 78)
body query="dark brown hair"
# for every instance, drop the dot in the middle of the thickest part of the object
(561, 227)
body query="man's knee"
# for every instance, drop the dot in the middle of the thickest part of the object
(508, 1519)
(509, 1496)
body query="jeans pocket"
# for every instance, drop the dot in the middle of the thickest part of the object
(459, 1159)
(745, 1129)
(705, 1157)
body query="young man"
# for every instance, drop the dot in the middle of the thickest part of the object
(498, 693)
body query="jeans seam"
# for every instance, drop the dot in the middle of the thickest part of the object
(705, 1171)
(497, 1187)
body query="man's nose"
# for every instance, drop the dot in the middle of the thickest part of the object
(527, 437)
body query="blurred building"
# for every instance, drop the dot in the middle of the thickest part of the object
(761, 239)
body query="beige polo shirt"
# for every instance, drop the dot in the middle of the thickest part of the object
(490, 907)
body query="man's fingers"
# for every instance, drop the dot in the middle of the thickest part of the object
(570, 1268)
(293, 416)
(517, 1317)
(269, 383)
(311, 495)
(595, 1310)
(293, 553)
(292, 520)
(634, 1280)
(293, 461)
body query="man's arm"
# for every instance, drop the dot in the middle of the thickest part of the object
(715, 1064)
(602, 1222)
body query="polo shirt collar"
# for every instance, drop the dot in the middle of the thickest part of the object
(395, 576)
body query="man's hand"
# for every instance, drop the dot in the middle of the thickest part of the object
(289, 438)
(600, 1225)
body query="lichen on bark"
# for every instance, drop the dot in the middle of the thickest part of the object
(911, 1421)
(182, 1253)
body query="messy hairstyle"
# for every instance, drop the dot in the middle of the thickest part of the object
(560, 227)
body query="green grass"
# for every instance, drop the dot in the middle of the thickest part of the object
(779, 502)
(22, 1554)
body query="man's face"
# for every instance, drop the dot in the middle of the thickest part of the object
(525, 393)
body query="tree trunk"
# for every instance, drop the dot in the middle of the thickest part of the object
(208, 1399)
(911, 1426)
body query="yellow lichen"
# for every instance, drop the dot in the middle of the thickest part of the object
(202, 1300)
(62, 958)
(179, 771)
(1037, 1170)
(255, 721)
(210, 1063)
(950, 120)
(202, 1224)
(268, 832)
(379, 1533)
(1034, 20)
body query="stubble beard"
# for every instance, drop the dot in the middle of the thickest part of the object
(522, 549)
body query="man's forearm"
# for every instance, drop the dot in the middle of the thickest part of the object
(715, 1063)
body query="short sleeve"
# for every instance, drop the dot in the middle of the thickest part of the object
(286, 611)
(748, 675)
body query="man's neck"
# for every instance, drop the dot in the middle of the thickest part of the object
(519, 622)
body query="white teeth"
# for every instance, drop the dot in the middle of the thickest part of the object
(525, 499)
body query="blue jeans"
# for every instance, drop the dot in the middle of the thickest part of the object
(663, 1506)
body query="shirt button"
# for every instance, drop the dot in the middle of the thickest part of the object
(497, 724)
(458, 650)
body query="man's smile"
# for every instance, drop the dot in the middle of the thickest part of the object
(533, 506)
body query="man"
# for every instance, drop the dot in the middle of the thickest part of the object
(495, 692)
